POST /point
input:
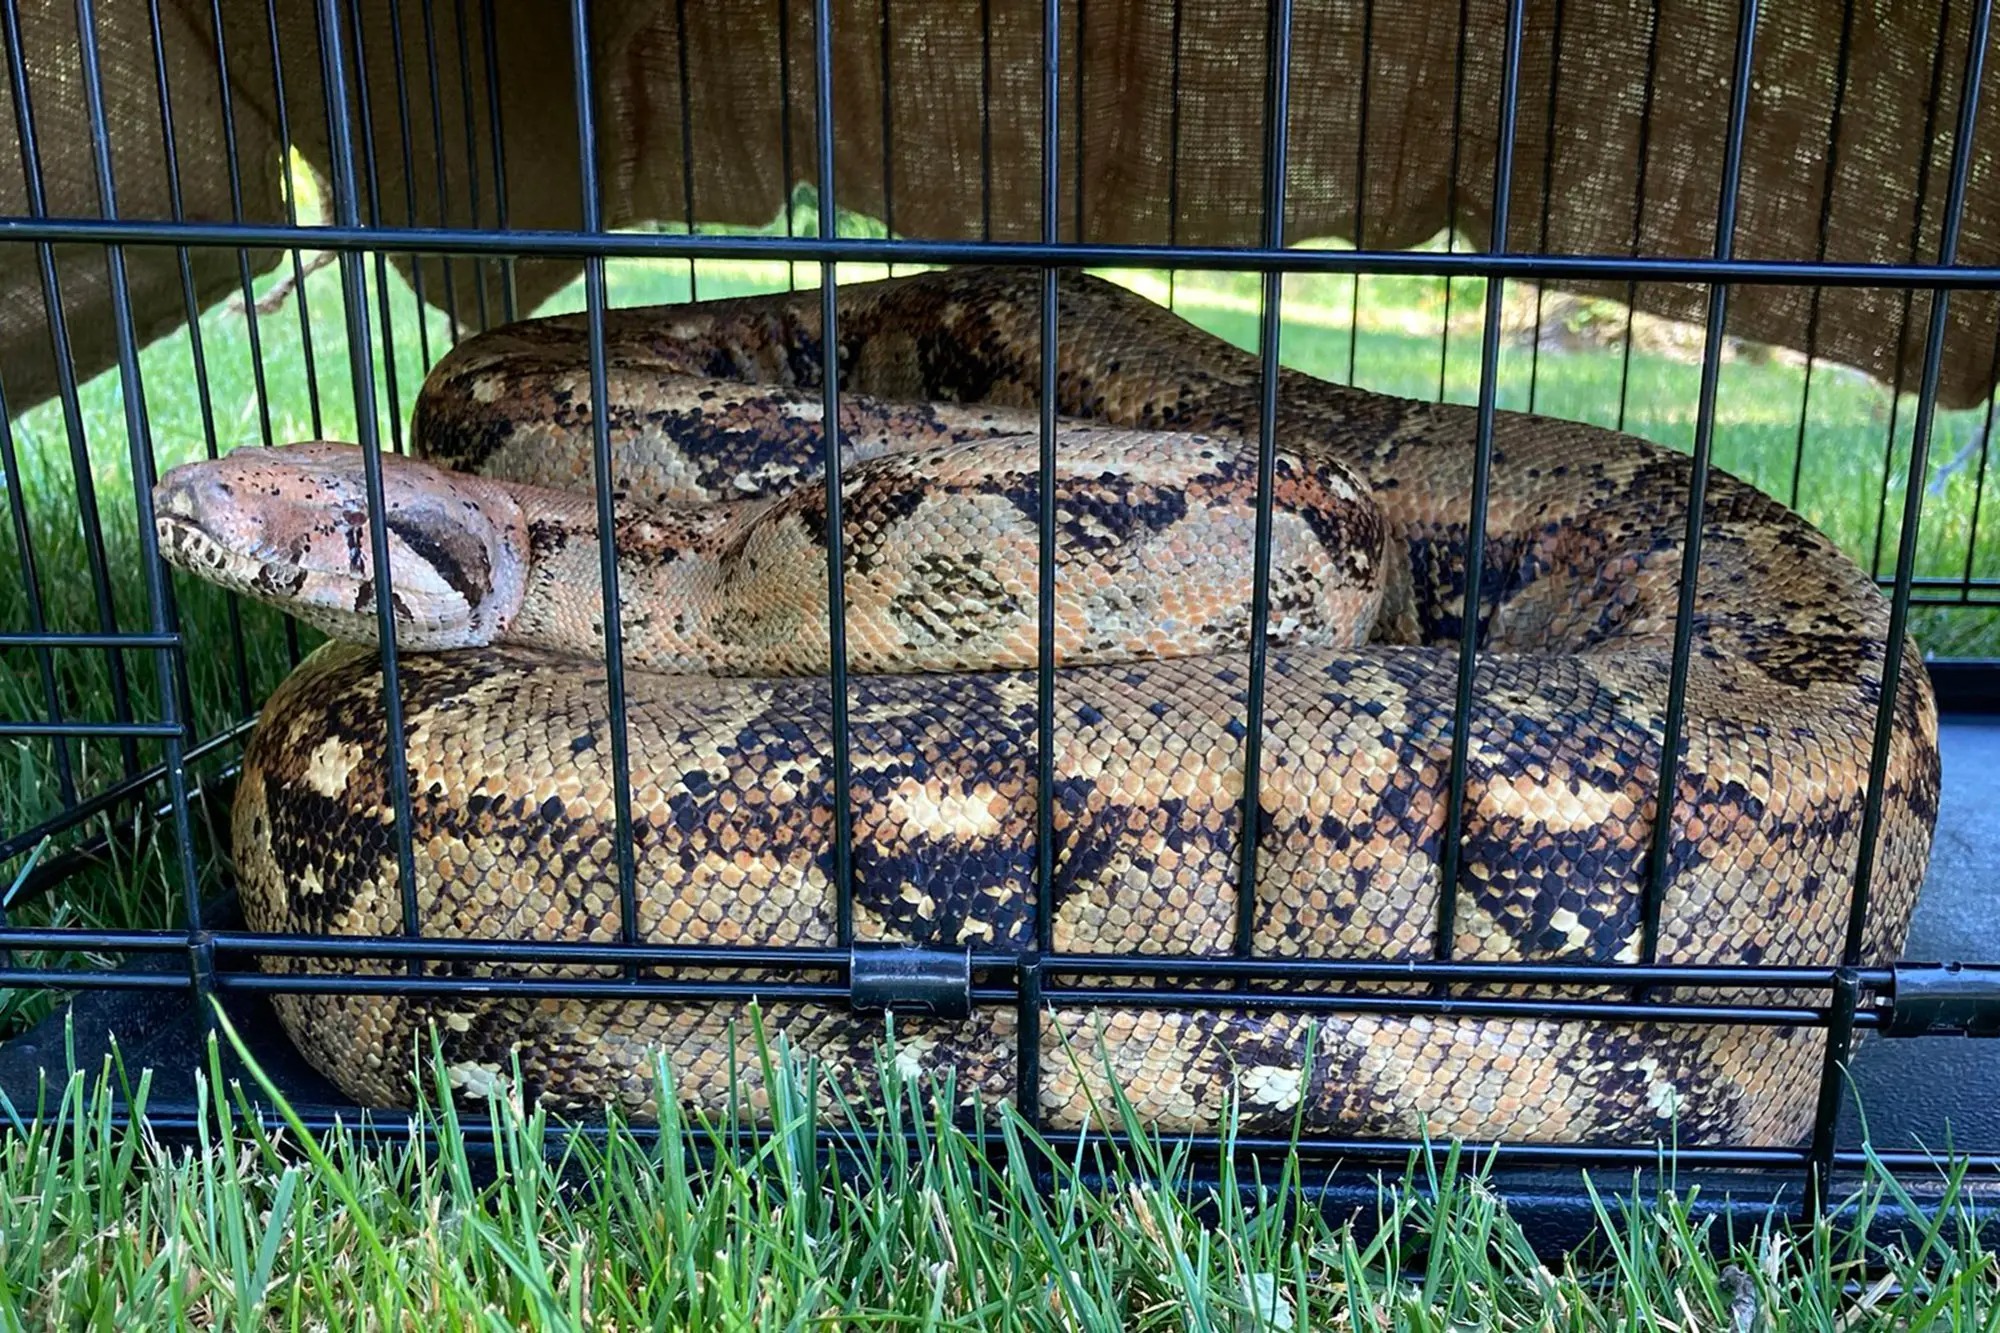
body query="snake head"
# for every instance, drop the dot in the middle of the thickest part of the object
(289, 526)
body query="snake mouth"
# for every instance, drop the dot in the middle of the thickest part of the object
(207, 529)
(180, 500)
(185, 542)
(212, 540)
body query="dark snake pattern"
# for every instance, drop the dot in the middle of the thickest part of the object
(510, 756)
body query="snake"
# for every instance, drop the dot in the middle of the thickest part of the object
(1163, 690)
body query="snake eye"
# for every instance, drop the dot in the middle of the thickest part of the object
(455, 554)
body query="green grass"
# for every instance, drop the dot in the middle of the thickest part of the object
(249, 1229)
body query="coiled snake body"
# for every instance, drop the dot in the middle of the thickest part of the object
(510, 746)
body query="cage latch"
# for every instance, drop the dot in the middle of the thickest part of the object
(905, 979)
(1945, 1000)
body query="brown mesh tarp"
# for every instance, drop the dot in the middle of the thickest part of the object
(937, 116)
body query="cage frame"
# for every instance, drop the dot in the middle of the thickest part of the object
(1904, 999)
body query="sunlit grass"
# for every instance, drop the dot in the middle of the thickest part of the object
(933, 1224)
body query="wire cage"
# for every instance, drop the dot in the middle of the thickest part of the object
(188, 171)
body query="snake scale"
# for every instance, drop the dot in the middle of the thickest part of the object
(713, 414)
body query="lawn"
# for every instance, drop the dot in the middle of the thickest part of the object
(93, 1218)
(928, 1224)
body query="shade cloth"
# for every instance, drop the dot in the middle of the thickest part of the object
(706, 112)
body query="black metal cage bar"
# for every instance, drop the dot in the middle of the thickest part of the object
(1277, 110)
(347, 206)
(288, 186)
(1831, 152)
(600, 446)
(1704, 441)
(526, 243)
(836, 537)
(1029, 1013)
(1450, 842)
(384, 315)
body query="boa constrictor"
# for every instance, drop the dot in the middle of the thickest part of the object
(714, 420)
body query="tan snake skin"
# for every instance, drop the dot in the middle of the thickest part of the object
(510, 758)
